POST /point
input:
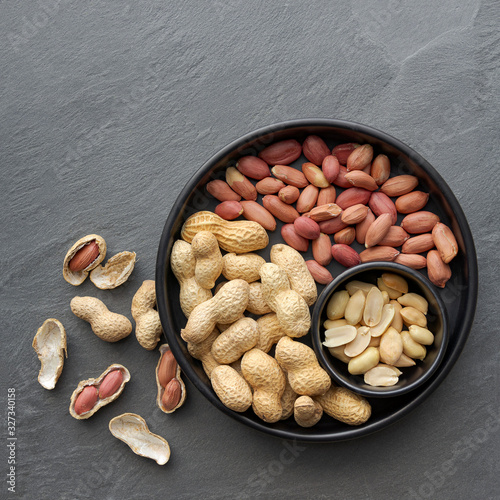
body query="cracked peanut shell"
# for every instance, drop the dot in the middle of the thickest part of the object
(115, 272)
(76, 278)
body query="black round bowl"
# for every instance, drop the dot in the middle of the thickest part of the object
(412, 377)
(459, 296)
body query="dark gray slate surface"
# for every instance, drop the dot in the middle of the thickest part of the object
(108, 108)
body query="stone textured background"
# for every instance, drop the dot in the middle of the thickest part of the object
(108, 108)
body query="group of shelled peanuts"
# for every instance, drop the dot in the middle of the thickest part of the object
(233, 348)
(366, 328)
(365, 211)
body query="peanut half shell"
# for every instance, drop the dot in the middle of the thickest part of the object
(76, 278)
(96, 382)
(50, 346)
(175, 388)
(115, 272)
(133, 431)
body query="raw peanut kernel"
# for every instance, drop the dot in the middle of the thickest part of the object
(282, 211)
(414, 261)
(445, 242)
(373, 254)
(418, 244)
(345, 236)
(84, 257)
(322, 249)
(327, 195)
(229, 210)
(315, 149)
(86, 400)
(381, 169)
(289, 194)
(239, 183)
(419, 222)
(253, 167)
(332, 226)
(340, 180)
(380, 203)
(354, 214)
(255, 212)
(324, 212)
(395, 237)
(307, 198)
(290, 176)
(412, 202)
(269, 185)
(399, 185)
(171, 395)
(282, 153)
(314, 175)
(345, 255)
(167, 368)
(360, 179)
(342, 151)
(221, 190)
(360, 158)
(438, 271)
(330, 167)
(307, 228)
(320, 274)
(378, 230)
(111, 383)
(293, 239)
(362, 227)
(353, 196)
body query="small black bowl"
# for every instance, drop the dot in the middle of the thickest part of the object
(413, 376)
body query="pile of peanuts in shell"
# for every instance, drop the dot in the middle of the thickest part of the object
(50, 344)
(305, 199)
(366, 328)
(235, 349)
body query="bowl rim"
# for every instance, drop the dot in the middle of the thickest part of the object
(163, 259)
(351, 273)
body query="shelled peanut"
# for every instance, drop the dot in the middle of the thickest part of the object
(171, 392)
(364, 213)
(365, 328)
(94, 393)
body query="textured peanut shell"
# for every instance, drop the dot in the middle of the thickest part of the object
(345, 406)
(307, 412)
(115, 272)
(287, 400)
(208, 266)
(239, 338)
(244, 266)
(107, 325)
(203, 352)
(51, 348)
(227, 306)
(160, 390)
(133, 431)
(256, 302)
(148, 328)
(231, 388)
(268, 381)
(296, 269)
(183, 263)
(305, 375)
(95, 382)
(233, 236)
(77, 278)
(293, 314)
(270, 332)
(291, 309)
